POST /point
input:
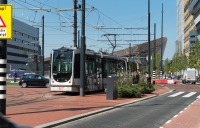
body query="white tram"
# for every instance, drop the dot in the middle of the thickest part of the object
(65, 69)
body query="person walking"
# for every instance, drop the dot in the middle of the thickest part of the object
(135, 77)
(147, 77)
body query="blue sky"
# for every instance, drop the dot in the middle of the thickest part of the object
(107, 13)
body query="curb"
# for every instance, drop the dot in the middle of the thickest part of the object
(87, 114)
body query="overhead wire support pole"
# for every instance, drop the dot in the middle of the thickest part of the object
(75, 24)
(161, 56)
(154, 65)
(149, 55)
(43, 45)
(82, 58)
(3, 70)
(154, 58)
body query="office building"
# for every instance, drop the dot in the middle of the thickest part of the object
(190, 32)
(25, 41)
(179, 26)
(194, 10)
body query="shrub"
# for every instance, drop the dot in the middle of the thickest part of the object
(129, 91)
(126, 89)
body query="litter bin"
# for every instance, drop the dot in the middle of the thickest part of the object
(111, 88)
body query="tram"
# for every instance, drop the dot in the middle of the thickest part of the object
(65, 69)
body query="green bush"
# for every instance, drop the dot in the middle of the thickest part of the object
(129, 91)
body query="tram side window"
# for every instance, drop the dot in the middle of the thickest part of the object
(90, 66)
(105, 68)
(112, 67)
(77, 66)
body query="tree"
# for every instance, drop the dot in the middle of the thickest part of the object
(167, 65)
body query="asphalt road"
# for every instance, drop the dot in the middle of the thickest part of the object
(151, 113)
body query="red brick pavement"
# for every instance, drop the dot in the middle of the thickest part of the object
(188, 118)
(39, 113)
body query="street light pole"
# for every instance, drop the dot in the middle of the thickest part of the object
(161, 65)
(149, 38)
(154, 58)
(43, 45)
(82, 58)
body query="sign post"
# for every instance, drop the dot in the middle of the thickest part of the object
(5, 33)
(5, 21)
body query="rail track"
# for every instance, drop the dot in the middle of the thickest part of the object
(29, 95)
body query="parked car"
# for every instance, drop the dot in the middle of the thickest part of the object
(33, 80)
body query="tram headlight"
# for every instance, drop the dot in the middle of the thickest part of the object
(52, 80)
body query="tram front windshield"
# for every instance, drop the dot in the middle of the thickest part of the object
(62, 65)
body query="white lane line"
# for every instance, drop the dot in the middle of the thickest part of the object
(180, 111)
(175, 116)
(189, 94)
(176, 94)
(168, 121)
(198, 96)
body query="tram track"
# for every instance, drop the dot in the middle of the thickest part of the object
(25, 98)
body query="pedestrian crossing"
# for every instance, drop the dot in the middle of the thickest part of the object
(185, 94)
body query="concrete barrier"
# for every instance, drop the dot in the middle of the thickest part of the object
(165, 81)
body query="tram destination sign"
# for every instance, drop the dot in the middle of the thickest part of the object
(5, 21)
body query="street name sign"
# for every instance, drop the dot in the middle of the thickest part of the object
(5, 21)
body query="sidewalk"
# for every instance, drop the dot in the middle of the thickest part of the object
(48, 113)
(187, 118)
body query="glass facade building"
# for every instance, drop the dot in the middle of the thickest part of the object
(179, 26)
(24, 42)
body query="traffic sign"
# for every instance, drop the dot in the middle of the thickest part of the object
(5, 21)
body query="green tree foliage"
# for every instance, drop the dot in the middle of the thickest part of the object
(158, 63)
(167, 64)
(194, 56)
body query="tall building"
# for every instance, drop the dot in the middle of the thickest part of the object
(179, 26)
(194, 10)
(24, 42)
(190, 32)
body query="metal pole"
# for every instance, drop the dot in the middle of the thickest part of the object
(78, 39)
(161, 66)
(43, 45)
(75, 24)
(129, 50)
(82, 59)
(154, 50)
(154, 59)
(3, 63)
(149, 55)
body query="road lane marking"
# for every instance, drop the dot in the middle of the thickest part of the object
(189, 94)
(175, 116)
(176, 94)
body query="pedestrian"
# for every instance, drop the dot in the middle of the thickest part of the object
(147, 76)
(15, 76)
(135, 77)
